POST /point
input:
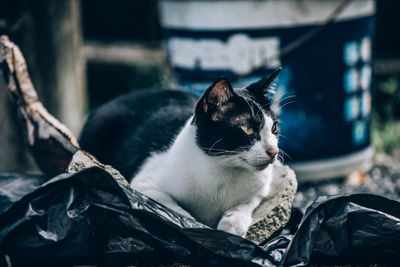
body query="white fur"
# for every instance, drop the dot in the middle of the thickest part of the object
(221, 192)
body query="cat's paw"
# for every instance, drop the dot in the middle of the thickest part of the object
(235, 224)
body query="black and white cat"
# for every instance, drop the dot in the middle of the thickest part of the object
(211, 159)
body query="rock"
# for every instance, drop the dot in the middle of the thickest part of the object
(274, 211)
(83, 160)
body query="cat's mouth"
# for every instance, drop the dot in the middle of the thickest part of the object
(259, 166)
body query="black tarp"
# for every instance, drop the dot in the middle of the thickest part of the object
(89, 218)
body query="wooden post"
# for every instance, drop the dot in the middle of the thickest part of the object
(58, 41)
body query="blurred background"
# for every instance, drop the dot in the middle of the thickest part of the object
(81, 54)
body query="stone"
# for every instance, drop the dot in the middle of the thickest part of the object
(82, 160)
(274, 211)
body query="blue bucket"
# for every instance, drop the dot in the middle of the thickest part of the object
(324, 48)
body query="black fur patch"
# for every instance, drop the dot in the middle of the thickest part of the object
(260, 88)
(125, 131)
(222, 112)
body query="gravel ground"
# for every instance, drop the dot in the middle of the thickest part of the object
(383, 179)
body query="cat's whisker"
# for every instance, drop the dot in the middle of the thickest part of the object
(277, 102)
(283, 153)
(282, 123)
(218, 152)
(217, 149)
(282, 135)
(282, 98)
(287, 103)
(213, 145)
(286, 98)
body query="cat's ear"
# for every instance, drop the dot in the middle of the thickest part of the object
(214, 98)
(260, 88)
(219, 92)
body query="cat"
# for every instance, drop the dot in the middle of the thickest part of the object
(210, 159)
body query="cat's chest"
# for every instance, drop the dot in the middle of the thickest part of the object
(215, 193)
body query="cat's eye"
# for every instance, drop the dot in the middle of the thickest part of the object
(274, 128)
(247, 130)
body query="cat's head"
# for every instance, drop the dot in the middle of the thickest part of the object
(238, 126)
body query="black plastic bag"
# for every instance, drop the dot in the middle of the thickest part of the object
(89, 218)
(14, 186)
(355, 229)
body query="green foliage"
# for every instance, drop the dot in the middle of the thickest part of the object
(386, 136)
(386, 114)
(387, 98)
(389, 86)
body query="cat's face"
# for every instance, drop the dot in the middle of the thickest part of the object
(238, 126)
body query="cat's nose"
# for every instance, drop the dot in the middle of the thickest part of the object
(272, 151)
